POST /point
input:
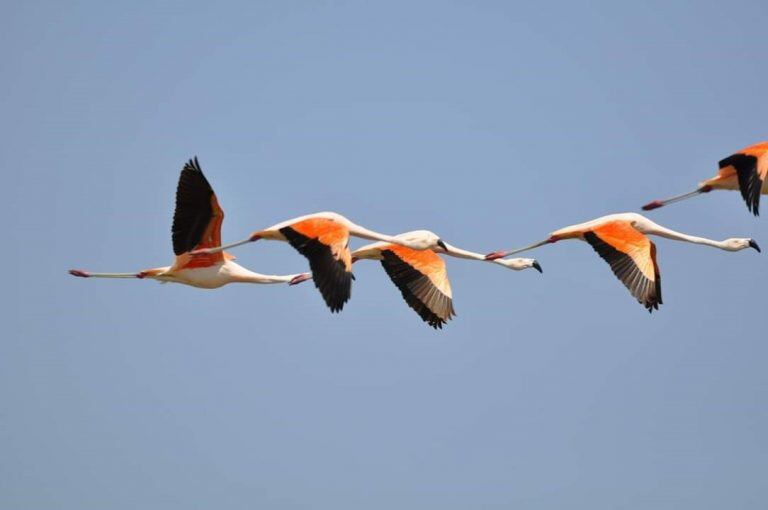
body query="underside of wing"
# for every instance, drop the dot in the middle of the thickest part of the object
(423, 282)
(330, 263)
(198, 217)
(632, 257)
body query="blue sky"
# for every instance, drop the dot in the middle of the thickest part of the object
(489, 124)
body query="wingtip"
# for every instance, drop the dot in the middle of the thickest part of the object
(438, 324)
(652, 305)
(193, 164)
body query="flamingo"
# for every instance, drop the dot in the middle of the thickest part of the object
(323, 238)
(196, 224)
(421, 275)
(620, 239)
(746, 170)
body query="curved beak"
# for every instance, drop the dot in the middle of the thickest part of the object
(754, 245)
(537, 266)
(442, 245)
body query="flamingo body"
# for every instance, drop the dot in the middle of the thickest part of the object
(210, 276)
(621, 240)
(421, 277)
(325, 244)
(745, 171)
(197, 224)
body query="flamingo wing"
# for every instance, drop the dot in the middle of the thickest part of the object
(423, 282)
(325, 243)
(751, 167)
(198, 216)
(632, 257)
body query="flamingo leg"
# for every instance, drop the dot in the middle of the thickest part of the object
(677, 198)
(88, 274)
(500, 254)
(208, 251)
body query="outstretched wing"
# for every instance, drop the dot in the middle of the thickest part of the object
(632, 257)
(751, 167)
(423, 282)
(198, 217)
(325, 244)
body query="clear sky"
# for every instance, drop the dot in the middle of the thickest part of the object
(491, 125)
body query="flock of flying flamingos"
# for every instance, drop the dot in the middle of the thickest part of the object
(411, 259)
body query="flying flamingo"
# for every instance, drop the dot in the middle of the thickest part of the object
(746, 170)
(421, 275)
(620, 239)
(323, 238)
(196, 224)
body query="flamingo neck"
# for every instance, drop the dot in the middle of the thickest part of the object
(242, 275)
(453, 251)
(679, 236)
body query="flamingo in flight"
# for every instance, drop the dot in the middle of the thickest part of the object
(196, 225)
(323, 238)
(621, 240)
(421, 276)
(746, 170)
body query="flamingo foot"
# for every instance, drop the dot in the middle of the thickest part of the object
(79, 273)
(303, 277)
(653, 205)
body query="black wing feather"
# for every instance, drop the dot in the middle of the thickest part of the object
(329, 274)
(750, 183)
(434, 307)
(647, 292)
(193, 208)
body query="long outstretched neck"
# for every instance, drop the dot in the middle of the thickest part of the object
(453, 251)
(677, 198)
(465, 254)
(251, 277)
(501, 254)
(660, 231)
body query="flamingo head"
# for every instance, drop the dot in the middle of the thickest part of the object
(520, 264)
(738, 244)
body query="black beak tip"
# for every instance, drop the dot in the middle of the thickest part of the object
(441, 244)
(754, 245)
(537, 266)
